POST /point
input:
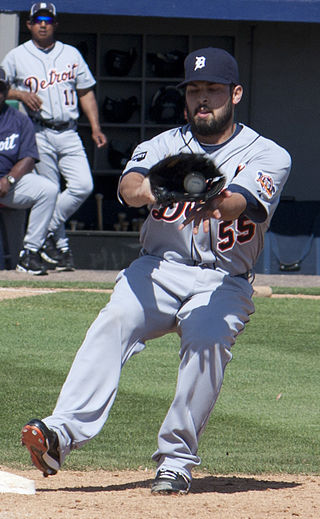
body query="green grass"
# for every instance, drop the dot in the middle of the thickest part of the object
(250, 430)
(311, 291)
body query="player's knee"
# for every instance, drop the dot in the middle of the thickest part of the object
(83, 189)
(47, 190)
(52, 190)
(87, 188)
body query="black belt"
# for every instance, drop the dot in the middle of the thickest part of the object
(249, 276)
(54, 126)
(246, 275)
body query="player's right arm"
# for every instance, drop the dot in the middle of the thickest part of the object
(134, 186)
(29, 99)
(135, 190)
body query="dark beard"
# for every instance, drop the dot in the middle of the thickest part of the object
(214, 126)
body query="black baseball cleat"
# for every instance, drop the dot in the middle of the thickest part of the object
(170, 482)
(43, 445)
(65, 262)
(31, 263)
(49, 252)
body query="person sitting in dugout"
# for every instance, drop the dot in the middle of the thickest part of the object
(20, 186)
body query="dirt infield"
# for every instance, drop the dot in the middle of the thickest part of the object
(109, 276)
(17, 292)
(126, 495)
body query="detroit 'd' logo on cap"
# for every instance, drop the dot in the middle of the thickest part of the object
(200, 62)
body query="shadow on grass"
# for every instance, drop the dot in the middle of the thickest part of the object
(220, 485)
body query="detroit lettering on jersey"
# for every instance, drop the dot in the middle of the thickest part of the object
(17, 139)
(9, 143)
(35, 84)
(54, 75)
(253, 166)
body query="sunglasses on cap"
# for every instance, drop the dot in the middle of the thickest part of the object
(49, 20)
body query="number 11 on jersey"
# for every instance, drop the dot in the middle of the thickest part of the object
(69, 97)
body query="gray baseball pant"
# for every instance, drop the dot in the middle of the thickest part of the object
(152, 298)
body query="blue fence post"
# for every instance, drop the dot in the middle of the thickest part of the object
(267, 254)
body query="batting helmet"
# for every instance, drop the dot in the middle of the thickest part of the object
(119, 110)
(167, 106)
(170, 64)
(119, 62)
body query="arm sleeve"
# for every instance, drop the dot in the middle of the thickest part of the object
(263, 177)
(144, 156)
(254, 210)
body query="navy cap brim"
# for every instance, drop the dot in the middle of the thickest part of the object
(211, 79)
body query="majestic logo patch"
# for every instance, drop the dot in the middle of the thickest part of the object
(200, 62)
(139, 156)
(266, 184)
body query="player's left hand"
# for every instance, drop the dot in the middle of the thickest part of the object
(99, 138)
(202, 212)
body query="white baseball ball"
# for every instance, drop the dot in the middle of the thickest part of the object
(194, 183)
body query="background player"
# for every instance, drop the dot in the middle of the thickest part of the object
(49, 77)
(20, 188)
(192, 278)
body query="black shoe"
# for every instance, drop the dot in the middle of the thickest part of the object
(170, 482)
(31, 262)
(43, 445)
(65, 262)
(49, 251)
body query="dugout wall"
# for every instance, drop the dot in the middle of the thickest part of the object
(279, 71)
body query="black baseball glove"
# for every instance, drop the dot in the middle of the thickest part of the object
(190, 177)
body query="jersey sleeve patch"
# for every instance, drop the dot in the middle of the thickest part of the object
(139, 156)
(266, 184)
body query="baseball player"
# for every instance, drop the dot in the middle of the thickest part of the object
(49, 77)
(20, 186)
(192, 277)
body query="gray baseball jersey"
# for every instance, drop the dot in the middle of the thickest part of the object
(54, 76)
(253, 165)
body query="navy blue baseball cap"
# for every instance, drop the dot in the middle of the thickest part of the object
(210, 64)
(43, 6)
